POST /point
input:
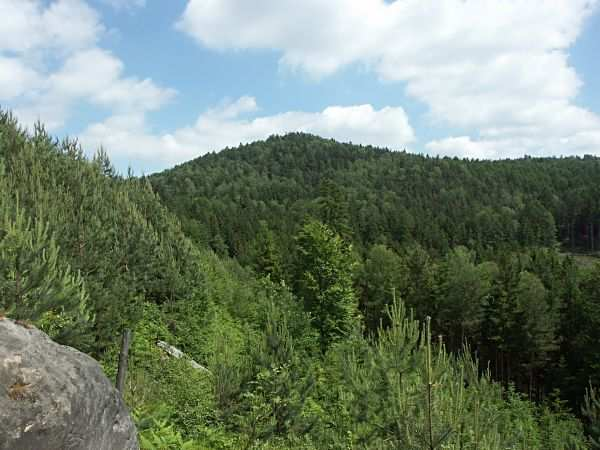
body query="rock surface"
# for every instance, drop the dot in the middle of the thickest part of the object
(175, 352)
(54, 397)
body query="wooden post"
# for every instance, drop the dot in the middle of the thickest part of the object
(122, 370)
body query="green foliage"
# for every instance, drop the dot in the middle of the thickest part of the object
(559, 429)
(536, 319)
(35, 285)
(323, 278)
(286, 360)
(333, 209)
(157, 378)
(463, 240)
(383, 275)
(281, 384)
(92, 228)
(267, 258)
(464, 290)
(379, 196)
(591, 412)
(155, 432)
(407, 392)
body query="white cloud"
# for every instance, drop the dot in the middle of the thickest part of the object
(495, 66)
(92, 76)
(63, 25)
(85, 73)
(578, 143)
(231, 110)
(15, 78)
(462, 146)
(496, 69)
(50, 63)
(96, 74)
(125, 136)
(128, 135)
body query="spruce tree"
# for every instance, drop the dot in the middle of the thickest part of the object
(383, 275)
(463, 292)
(536, 327)
(333, 208)
(268, 261)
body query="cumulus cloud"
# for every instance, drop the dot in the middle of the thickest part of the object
(97, 75)
(50, 62)
(227, 125)
(497, 67)
(578, 143)
(15, 78)
(63, 25)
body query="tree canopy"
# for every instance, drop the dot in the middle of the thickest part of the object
(337, 296)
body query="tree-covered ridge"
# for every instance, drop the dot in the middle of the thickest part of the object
(389, 197)
(85, 252)
(478, 246)
(112, 232)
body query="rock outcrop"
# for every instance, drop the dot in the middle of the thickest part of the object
(54, 397)
(176, 353)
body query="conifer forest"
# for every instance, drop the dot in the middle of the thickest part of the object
(330, 296)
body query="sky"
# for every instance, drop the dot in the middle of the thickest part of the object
(157, 83)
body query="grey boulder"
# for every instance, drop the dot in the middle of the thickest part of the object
(53, 397)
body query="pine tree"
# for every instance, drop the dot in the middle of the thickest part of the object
(282, 384)
(35, 284)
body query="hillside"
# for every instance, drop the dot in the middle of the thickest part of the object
(387, 197)
(501, 254)
(85, 253)
(294, 356)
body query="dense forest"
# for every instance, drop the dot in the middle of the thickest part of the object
(335, 296)
(499, 253)
(380, 196)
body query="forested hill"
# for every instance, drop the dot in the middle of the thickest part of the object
(314, 353)
(479, 246)
(384, 196)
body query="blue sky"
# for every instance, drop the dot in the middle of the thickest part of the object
(159, 82)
